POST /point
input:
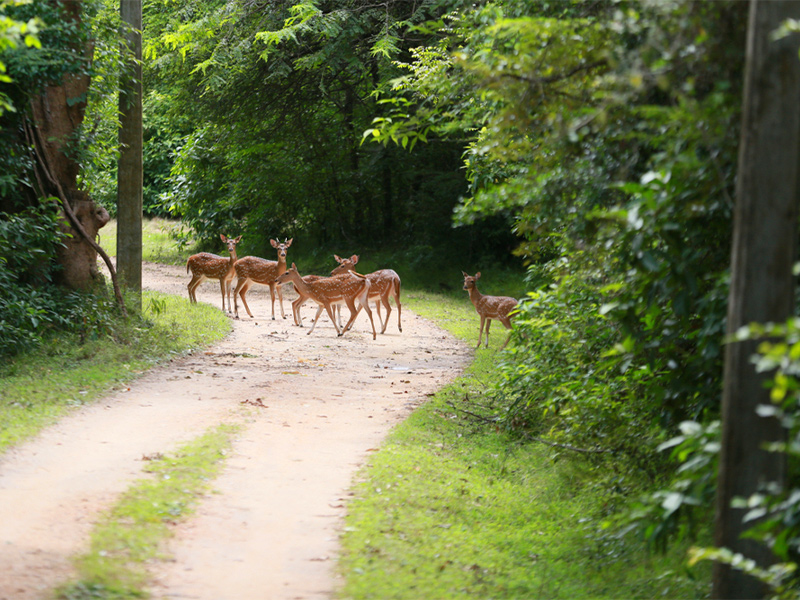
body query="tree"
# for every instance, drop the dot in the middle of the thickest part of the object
(130, 171)
(762, 285)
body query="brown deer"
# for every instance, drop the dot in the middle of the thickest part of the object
(383, 283)
(252, 269)
(301, 299)
(489, 307)
(329, 291)
(210, 266)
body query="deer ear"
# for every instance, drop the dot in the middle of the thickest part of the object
(289, 242)
(222, 237)
(237, 240)
(354, 258)
(464, 274)
(478, 275)
(274, 243)
(338, 260)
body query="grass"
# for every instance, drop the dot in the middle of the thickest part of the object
(38, 388)
(450, 509)
(131, 533)
(159, 241)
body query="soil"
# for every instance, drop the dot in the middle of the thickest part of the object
(314, 408)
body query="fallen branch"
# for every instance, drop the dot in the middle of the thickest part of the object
(532, 437)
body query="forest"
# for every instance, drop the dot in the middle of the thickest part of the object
(585, 154)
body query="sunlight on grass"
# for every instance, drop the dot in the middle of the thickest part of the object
(159, 241)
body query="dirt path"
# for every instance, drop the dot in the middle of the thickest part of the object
(270, 531)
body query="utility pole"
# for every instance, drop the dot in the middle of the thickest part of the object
(129, 170)
(762, 286)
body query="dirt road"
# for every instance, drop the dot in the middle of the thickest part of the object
(269, 531)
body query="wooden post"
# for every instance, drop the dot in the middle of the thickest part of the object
(129, 171)
(762, 285)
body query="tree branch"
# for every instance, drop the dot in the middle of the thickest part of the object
(34, 136)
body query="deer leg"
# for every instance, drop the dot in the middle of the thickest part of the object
(222, 290)
(507, 324)
(331, 308)
(242, 285)
(399, 309)
(488, 324)
(280, 300)
(363, 300)
(480, 332)
(196, 280)
(272, 296)
(316, 318)
(229, 292)
(298, 319)
(385, 301)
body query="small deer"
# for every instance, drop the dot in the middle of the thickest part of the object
(210, 266)
(328, 291)
(383, 283)
(489, 307)
(252, 269)
(301, 299)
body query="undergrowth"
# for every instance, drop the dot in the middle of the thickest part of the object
(70, 370)
(458, 507)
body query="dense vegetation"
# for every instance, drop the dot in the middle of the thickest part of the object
(592, 143)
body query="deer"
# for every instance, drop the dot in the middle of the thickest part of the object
(383, 283)
(329, 291)
(489, 307)
(210, 266)
(301, 299)
(252, 269)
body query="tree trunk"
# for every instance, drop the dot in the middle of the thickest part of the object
(129, 170)
(57, 114)
(762, 286)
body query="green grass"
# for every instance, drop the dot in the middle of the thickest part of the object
(38, 388)
(132, 532)
(159, 242)
(453, 509)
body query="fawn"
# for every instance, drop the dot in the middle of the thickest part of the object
(210, 266)
(489, 307)
(330, 291)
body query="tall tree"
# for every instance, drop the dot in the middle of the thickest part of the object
(762, 286)
(130, 171)
(51, 130)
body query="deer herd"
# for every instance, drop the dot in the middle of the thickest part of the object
(344, 286)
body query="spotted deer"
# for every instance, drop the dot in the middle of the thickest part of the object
(383, 283)
(489, 307)
(210, 266)
(252, 269)
(329, 291)
(301, 299)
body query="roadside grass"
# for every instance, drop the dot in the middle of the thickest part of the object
(131, 533)
(450, 508)
(39, 387)
(159, 243)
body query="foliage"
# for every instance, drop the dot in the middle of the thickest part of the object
(773, 513)
(70, 369)
(608, 132)
(28, 307)
(269, 107)
(12, 33)
(450, 508)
